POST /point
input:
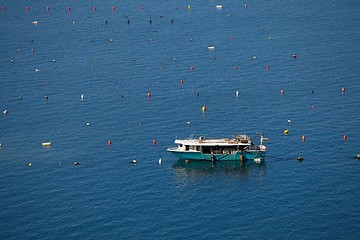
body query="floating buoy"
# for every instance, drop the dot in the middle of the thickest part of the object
(68, 8)
(300, 158)
(218, 7)
(27, 8)
(34, 22)
(46, 144)
(303, 138)
(5, 112)
(48, 8)
(149, 94)
(188, 122)
(282, 91)
(82, 97)
(235, 67)
(312, 91)
(88, 124)
(134, 161)
(267, 67)
(46, 97)
(187, 161)
(211, 48)
(189, 7)
(345, 137)
(289, 121)
(160, 161)
(245, 5)
(203, 108)
(94, 8)
(110, 40)
(37, 70)
(2, 8)
(109, 142)
(11, 60)
(358, 156)
(342, 90)
(30, 164)
(237, 93)
(313, 107)
(76, 163)
(73, 22)
(181, 81)
(192, 68)
(286, 131)
(293, 55)
(254, 57)
(197, 94)
(113, 8)
(141, 7)
(154, 141)
(0, 145)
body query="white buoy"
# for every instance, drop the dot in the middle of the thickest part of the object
(211, 48)
(254, 57)
(5, 112)
(134, 161)
(160, 161)
(257, 160)
(0, 145)
(37, 70)
(188, 122)
(53, 60)
(219, 7)
(34, 22)
(237, 93)
(82, 97)
(88, 124)
(289, 121)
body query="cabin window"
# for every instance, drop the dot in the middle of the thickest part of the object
(197, 148)
(187, 147)
(180, 145)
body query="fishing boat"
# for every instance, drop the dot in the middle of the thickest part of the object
(240, 148)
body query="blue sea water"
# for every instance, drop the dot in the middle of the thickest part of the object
(108, 197)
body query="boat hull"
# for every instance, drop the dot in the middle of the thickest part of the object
(244, 155)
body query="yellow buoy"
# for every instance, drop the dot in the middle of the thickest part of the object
(203, 108)
(30, 164)
(286, 131)
(189, 7)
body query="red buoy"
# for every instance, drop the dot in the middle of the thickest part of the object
(68, 8)
(303, 138)
(181, 81)
(149, 94)
(345, 137)
(109, 142)
(342, 90)
(154, 141)
(27, 8)
(3, 8)
(267, 67)
(94, 8)
(282, 92)
(113, 8)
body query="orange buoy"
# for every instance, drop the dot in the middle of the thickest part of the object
(109, 142)
(203, 108)
(342, 90)
(149, 94)
(267, 67)
(282, 91)
(345, 137)
(94, 8)
(181, 81)
(113, 8)
(27, 8)
(68, 8)
(303, 138)
(154, 141)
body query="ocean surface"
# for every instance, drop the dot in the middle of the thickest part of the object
(115, 57)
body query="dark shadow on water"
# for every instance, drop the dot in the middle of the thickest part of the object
(183, 168)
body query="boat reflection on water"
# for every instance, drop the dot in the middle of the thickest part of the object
(185, 168)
